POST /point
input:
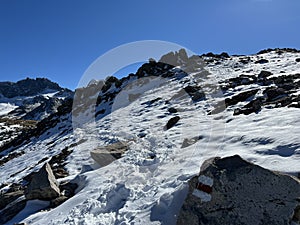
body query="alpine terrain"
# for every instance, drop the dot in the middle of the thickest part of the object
(129, 151)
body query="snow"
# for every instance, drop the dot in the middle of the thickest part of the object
(31, 207)
(151, 178)
(5, 108)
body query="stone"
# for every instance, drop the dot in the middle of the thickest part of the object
(274, 92)
(240, 97)
(262, 61)
(190, 141)
(253, 106)
(107, 154)
(172, 110)
(58, 201)
(264, 74)
(233, 191)
(43, 185)
(171, 123)
(195, 93)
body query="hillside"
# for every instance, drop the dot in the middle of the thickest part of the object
(171, 116)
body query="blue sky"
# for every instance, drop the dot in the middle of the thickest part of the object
(59, 39)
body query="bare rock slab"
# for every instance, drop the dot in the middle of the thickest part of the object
(233, 191)
(43, 185)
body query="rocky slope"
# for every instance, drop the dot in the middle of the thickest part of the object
(172, 114)
(26, 102)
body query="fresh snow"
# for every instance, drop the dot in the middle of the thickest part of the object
(151, 178)
(5, 108)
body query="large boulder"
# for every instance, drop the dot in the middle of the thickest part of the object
(233, 191)
(107, 154)
(43, 185)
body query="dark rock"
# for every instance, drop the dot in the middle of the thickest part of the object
(245, 60)
(274, 93)
(233, 191)
(171, 123)
(195, 93)
(20, 88)
(151, 102)
(223, 55)
(264, 74)
(172, 110)
(278, 50)
(240, 97)
(297, 60)
(9, 197)
(58, 201)
(253, 106)
(262, 61)
(68, 189)
(43, 185)
(240, 80)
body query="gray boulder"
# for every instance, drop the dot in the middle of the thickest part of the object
(107, 154)
(233, 191)
(43, 185)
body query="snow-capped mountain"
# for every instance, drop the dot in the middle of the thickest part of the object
(31, 99)
(170, 116)
(24, 103)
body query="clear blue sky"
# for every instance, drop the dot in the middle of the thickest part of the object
(59, 39)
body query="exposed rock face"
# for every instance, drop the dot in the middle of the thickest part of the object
(20, 88)
(233, 191)
(43, 185)
(107, 154)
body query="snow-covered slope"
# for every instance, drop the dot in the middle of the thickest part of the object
(224, 105)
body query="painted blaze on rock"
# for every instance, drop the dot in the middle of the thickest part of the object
(233, 191)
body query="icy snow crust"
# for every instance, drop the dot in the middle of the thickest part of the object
(148, 185)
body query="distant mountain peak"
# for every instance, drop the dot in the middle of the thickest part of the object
(28, 87)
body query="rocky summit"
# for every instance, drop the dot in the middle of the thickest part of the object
(128, 150)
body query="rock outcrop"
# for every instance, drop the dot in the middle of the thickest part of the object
(278, 91)
(233, 191)
(43, 185)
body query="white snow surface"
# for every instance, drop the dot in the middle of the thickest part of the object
(6, 108)
(140, 189)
